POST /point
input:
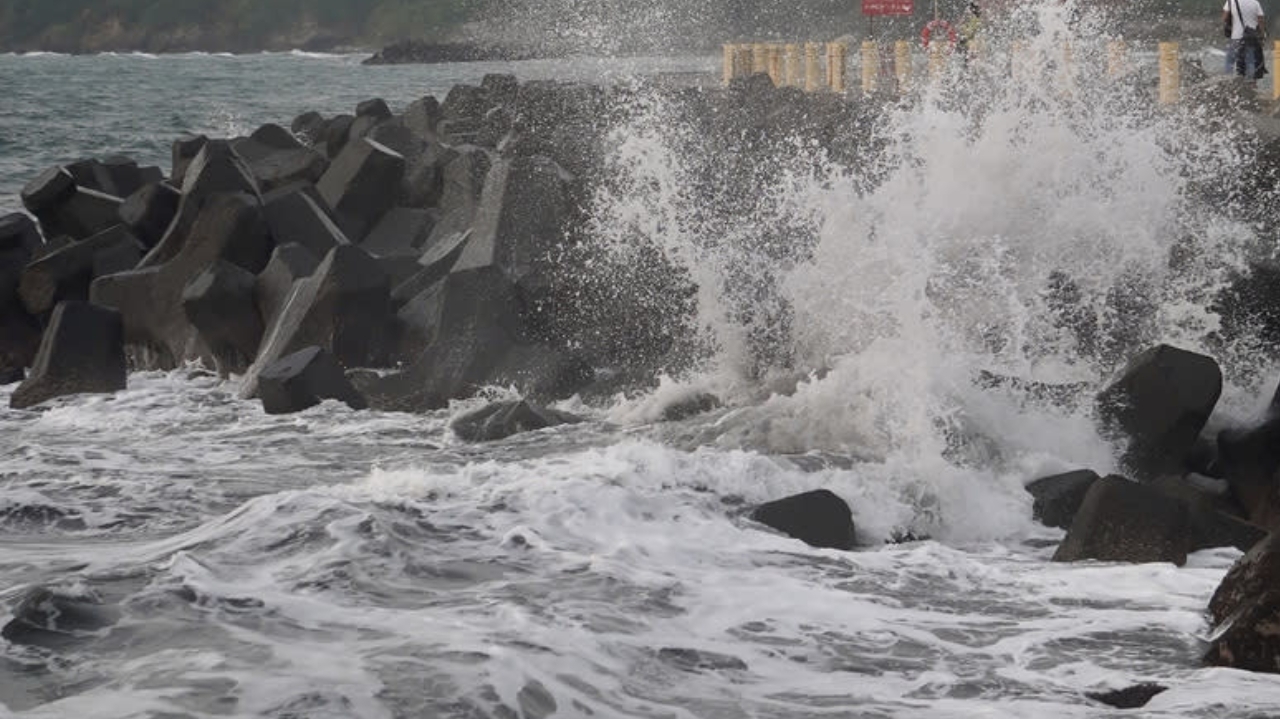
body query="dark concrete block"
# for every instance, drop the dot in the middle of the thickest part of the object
(67, 273)
(303, 379)
(1058, 498)
(82, 352)
(356, 186)
(149, 212)
(297, 215)
(818, 518)
(1123, 521)
(289, 263)
(500, 420)
(219, 303)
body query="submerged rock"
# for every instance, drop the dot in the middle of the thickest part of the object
(1132, 697)
(500, 420)
(55, 619)
(82, 352)
(818, 518)
(1123, 521)
(1058, 498)
(304, 379)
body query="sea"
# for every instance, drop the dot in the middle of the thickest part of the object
(359, 564)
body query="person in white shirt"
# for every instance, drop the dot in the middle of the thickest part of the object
(1248, 26)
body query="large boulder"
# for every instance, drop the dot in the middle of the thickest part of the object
(356, 186)
(1253, 574)
(304, 379)
(519, 224)
(19, 332)
(1159, 405)
(215, 171)
(229, 227)
(818, 518)
(65, 208)
(184, 150)
(423, 180)
(82, 351)
(1248, 639)
(289, 263)
(1249, 460)
(482, 340)
(499, 420)
(219, 303)
(1123, 521)
(67, 273)
(297, 215)
(402, 232)
(344, 307)
(1058, 497)
(149, 212)
(118, 176)
(421, 117)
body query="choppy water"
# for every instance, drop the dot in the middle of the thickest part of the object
(344, 564)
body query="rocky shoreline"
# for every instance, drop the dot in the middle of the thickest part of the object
(402, 260)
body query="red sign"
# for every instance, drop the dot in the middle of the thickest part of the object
(887, 7)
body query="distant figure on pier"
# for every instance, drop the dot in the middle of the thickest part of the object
(1248, 27)
(969, 29)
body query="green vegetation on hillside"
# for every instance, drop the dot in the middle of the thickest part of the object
(550, 25)
(86, 25)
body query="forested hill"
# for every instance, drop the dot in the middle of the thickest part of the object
(547, 27)
(221, 25)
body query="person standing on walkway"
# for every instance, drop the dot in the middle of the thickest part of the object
(1248, 27)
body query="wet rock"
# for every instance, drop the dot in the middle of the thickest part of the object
(691, 406)
(1248, 638)
(304, 379)
(335, 135)
(276, 137)
(215, 171)
(423, 180)
(463, 184)
(82, 351)
(1123, 521)
(519, 222)
(355, 186)
(1160, 404)
(184, 151)
(309, 127)
(421, 117)
(483, 340)
(466, 102)
(1132, 697)
(376, 108)
(535, 701)
(402, 232)
(19, 233)
(67, 273)
(56, 619)
(343, 307)
(80, 213)
(1253, 574)
(281, 168)
(289, 263)
(11, 375)
(219, 303)
(149, 212)
(502, 88)
(500, 420)
(695, 660)
(1214, 518)
(298, 215)
(1249, 461)
(116, 176)
(228, 227)
(47, 190)
(1058, 497)
(818, 518)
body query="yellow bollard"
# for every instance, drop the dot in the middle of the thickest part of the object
(774, 55)
(1170, 81)
(812, 69)
(730, 55)
(870, 66)
(836, 53)
(759, 58)
(1275, 72)
(902, 64)
(794, 66)
(937, 61)
(1117, 58)
(742, 61)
